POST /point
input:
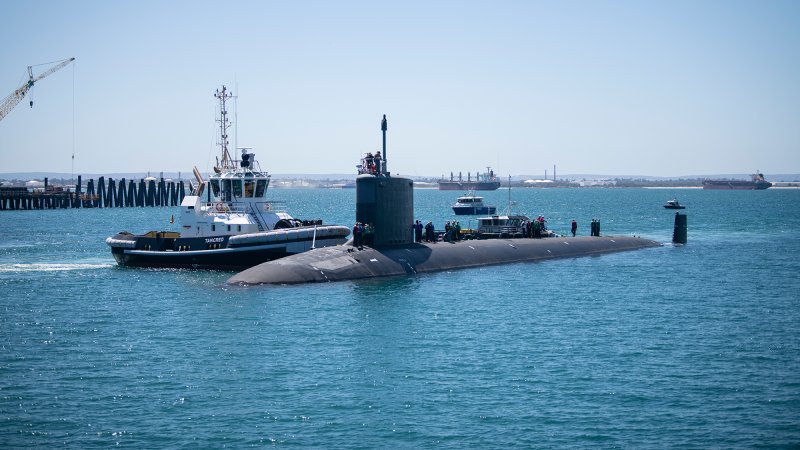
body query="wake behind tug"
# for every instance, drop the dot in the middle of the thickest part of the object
(386, 204)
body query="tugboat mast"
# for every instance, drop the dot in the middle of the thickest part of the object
(227, 162)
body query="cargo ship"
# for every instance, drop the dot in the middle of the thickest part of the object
(486, 181)
(757, 182)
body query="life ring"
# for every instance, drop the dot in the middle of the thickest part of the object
(219, 207)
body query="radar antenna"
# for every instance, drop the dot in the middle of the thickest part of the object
(227, 163)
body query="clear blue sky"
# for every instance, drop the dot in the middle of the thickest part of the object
(610, 87)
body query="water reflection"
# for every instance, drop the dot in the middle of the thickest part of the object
(381, 288)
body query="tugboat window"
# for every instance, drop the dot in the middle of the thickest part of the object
(213, 228)
(215, 187)
(237, 188)
(249, 186)
(261, 186)
(226, 190)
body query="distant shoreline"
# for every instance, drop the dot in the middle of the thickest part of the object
(575, 177)
(672, 187)
(34, 179)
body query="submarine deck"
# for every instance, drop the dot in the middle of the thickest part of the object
(348, 263)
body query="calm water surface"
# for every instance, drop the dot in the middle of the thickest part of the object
(679, 346)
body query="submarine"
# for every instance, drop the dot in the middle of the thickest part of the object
(386, 202)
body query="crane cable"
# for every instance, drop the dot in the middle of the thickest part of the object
(46, 63)
(73, 119)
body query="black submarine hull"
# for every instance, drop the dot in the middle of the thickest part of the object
(342, 263)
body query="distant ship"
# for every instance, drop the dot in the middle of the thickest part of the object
(482, 182)
(757, 182)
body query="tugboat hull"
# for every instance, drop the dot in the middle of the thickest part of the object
(169, 250)
(220, 259)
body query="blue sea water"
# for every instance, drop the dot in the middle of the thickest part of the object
(682, 346)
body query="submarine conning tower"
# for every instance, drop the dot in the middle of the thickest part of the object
(385, 202)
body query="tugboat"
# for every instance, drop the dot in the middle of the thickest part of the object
(472, 205)
(673, 204)
(227, 223)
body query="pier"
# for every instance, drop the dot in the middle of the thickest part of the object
(100, 194)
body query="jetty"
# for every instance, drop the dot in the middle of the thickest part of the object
(103, 193)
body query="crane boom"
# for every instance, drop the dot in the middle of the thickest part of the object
(15, 97)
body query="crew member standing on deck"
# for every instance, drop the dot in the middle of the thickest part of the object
(370, 162)
(574, 227)
(429, 231)
(357, 238)
(369, 235)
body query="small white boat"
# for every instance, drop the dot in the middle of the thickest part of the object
(673, 204)
(472, 205)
